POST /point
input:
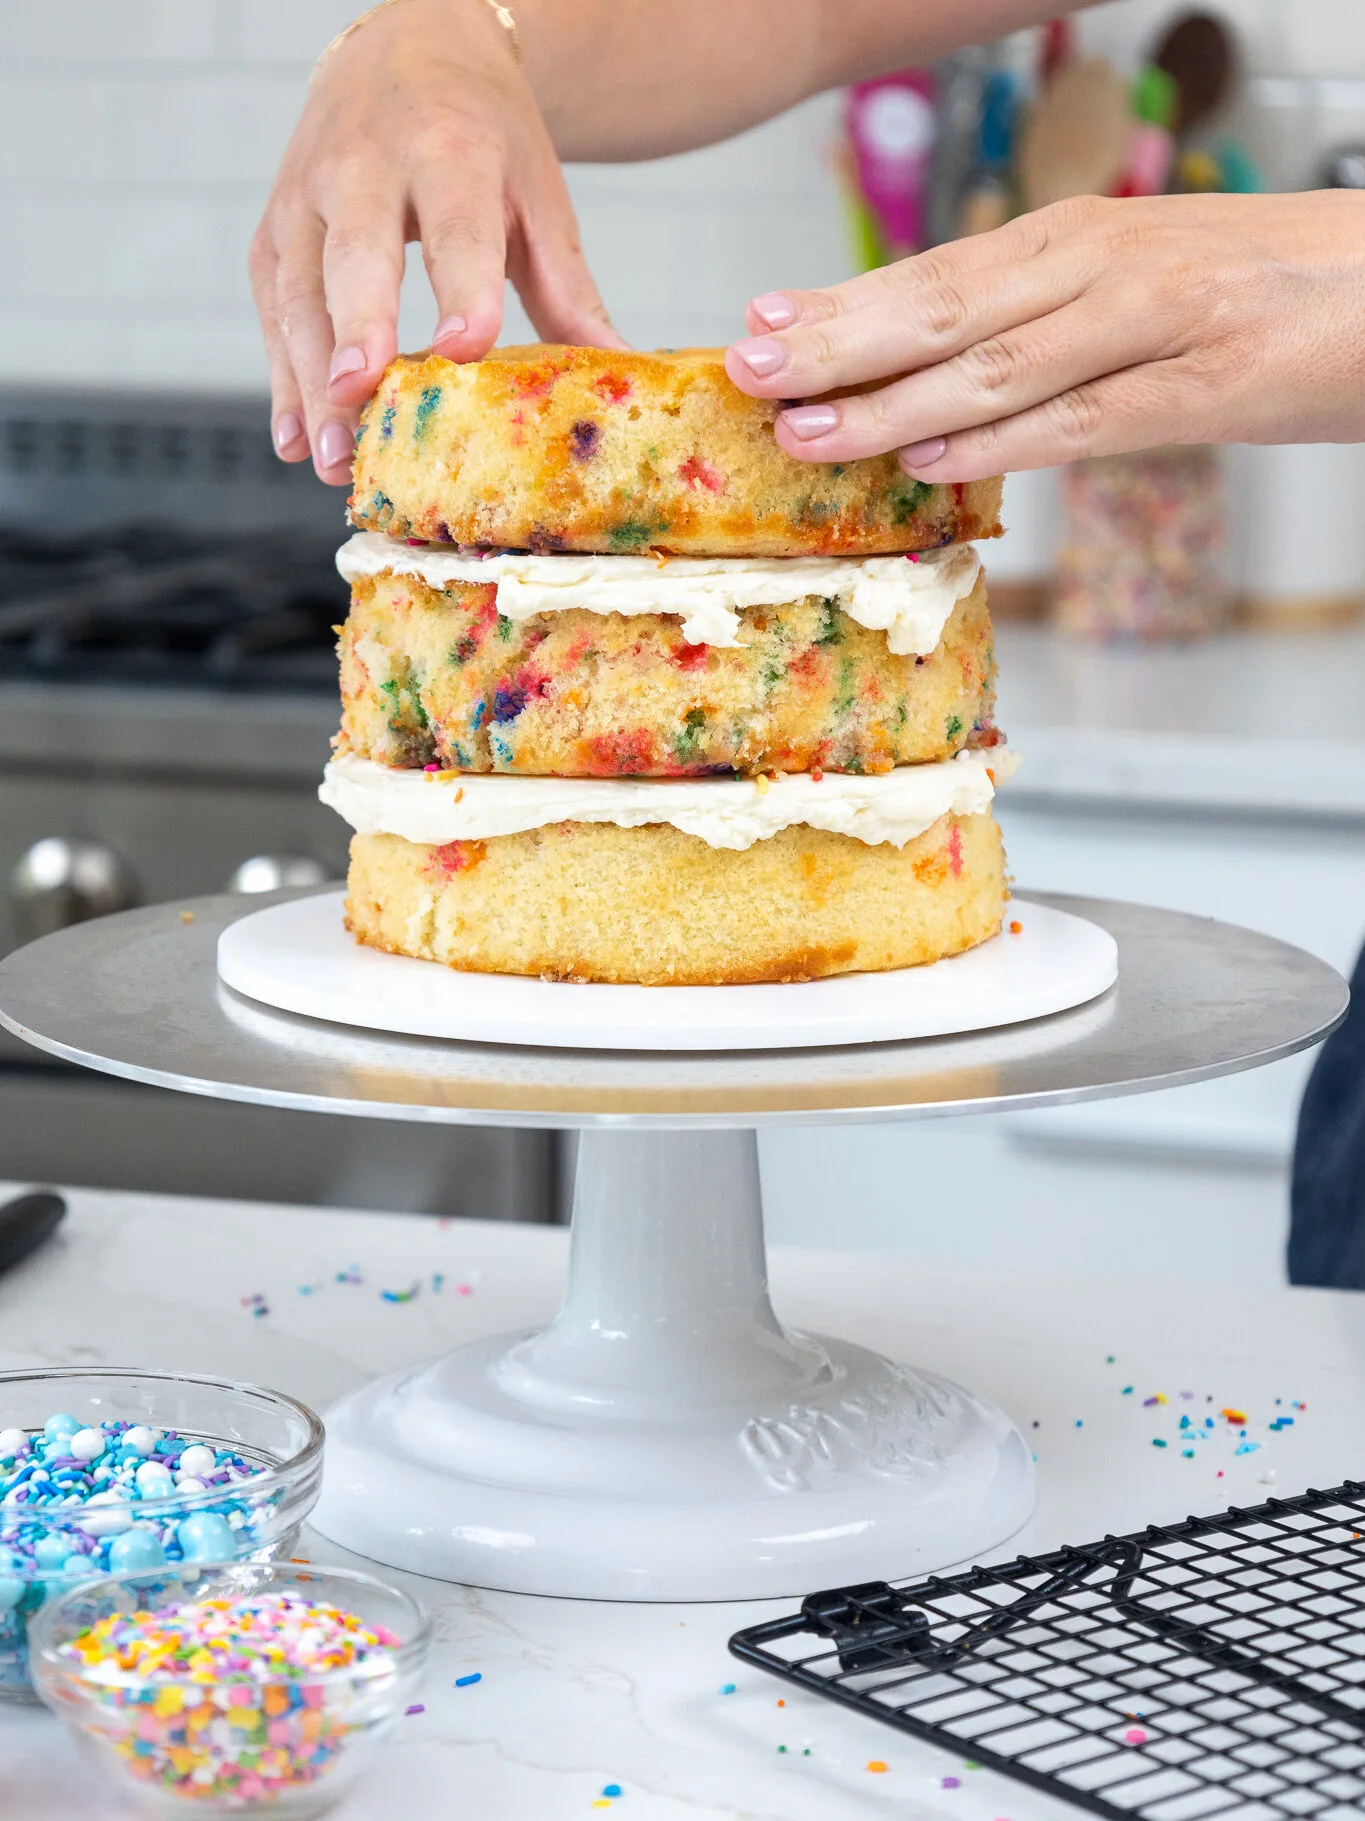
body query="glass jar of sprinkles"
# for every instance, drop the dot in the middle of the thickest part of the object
(241, 1689)
(1144, 551)
(108, 1472)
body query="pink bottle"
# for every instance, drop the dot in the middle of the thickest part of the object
(891, 129)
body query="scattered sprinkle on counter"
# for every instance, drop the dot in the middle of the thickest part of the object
(727, 1688)
(211, 1699)
(469, 1680)
(877, 1764)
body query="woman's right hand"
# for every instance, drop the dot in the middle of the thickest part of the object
(419, 126)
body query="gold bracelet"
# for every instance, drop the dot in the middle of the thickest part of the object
(502, 14)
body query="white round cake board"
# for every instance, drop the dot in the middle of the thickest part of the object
(298, 957)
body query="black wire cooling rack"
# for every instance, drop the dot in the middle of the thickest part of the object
(1212, 1670)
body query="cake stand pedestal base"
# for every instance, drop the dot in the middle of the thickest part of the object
(665, 1438)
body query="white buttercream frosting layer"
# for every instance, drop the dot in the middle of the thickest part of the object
(894, 806)
(907, 597)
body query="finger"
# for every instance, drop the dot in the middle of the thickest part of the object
(912, 326)
(307, 331)
(1024, 238)
(1159, 402)
(457, 197)
(993, 379)
(362, 273)
(288, 431)
(551, 275)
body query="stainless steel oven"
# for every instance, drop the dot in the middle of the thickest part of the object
(167, 691)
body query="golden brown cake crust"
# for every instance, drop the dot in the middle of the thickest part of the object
(433, 676)
(558, 448)
(590, 901)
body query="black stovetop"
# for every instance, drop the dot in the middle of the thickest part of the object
(145, 605)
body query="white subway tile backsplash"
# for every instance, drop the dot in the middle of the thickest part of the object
(58, 344)
(213, 349)
(158, 30)
(180, 129)
(698, 257)
(274, 31)
(76, 249)
(790, 156)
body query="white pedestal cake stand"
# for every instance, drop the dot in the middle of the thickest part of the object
(665, 1437)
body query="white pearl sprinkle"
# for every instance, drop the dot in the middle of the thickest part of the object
(198, 1460)
(86, 1445)
(104, 1523)
(11, 1441)
(140, 1438)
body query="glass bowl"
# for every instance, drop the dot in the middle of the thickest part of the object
(217, 1743)
(255, 1519)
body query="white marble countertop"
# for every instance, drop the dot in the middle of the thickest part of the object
(573, 1696)
(1247, 722)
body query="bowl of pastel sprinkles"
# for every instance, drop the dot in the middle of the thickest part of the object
(108, 1473)
(247, 1688)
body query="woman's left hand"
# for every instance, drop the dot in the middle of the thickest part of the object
(1088, 328)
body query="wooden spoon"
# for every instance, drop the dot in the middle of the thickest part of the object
(1077, 140)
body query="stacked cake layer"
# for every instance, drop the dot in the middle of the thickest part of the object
(602, 666)
(551, 448)
(752, 743)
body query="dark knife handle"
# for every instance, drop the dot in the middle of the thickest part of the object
(26, 1222)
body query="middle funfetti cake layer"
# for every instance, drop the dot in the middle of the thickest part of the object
(619, 666)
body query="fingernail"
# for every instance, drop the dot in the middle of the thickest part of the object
(777, 311)
(288, 429)
(810, 421)
(335, 445)
(344, 361)
(449, 326)
(762, 356)
(925, 454)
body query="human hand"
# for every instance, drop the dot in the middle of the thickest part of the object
(419, 126)
(1088, 328)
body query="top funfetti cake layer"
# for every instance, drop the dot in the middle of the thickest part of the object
(587, 449)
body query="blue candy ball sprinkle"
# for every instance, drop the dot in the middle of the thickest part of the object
(135, 1549)
(204, 1536)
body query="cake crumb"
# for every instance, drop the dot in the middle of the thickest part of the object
(187, 916)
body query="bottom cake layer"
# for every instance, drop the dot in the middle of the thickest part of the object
(656, 907)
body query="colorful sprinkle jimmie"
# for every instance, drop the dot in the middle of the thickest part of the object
(213, 1698)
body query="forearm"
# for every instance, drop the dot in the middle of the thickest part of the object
(626, 79)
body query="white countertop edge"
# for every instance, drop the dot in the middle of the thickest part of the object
(1122, 768)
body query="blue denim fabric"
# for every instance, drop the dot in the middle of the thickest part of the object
(1327, 1230)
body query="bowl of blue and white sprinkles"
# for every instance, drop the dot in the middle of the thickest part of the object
(126, 1472)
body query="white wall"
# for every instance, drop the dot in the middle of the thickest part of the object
(138, 139)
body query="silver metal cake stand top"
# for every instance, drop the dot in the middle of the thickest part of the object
(137, 995)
